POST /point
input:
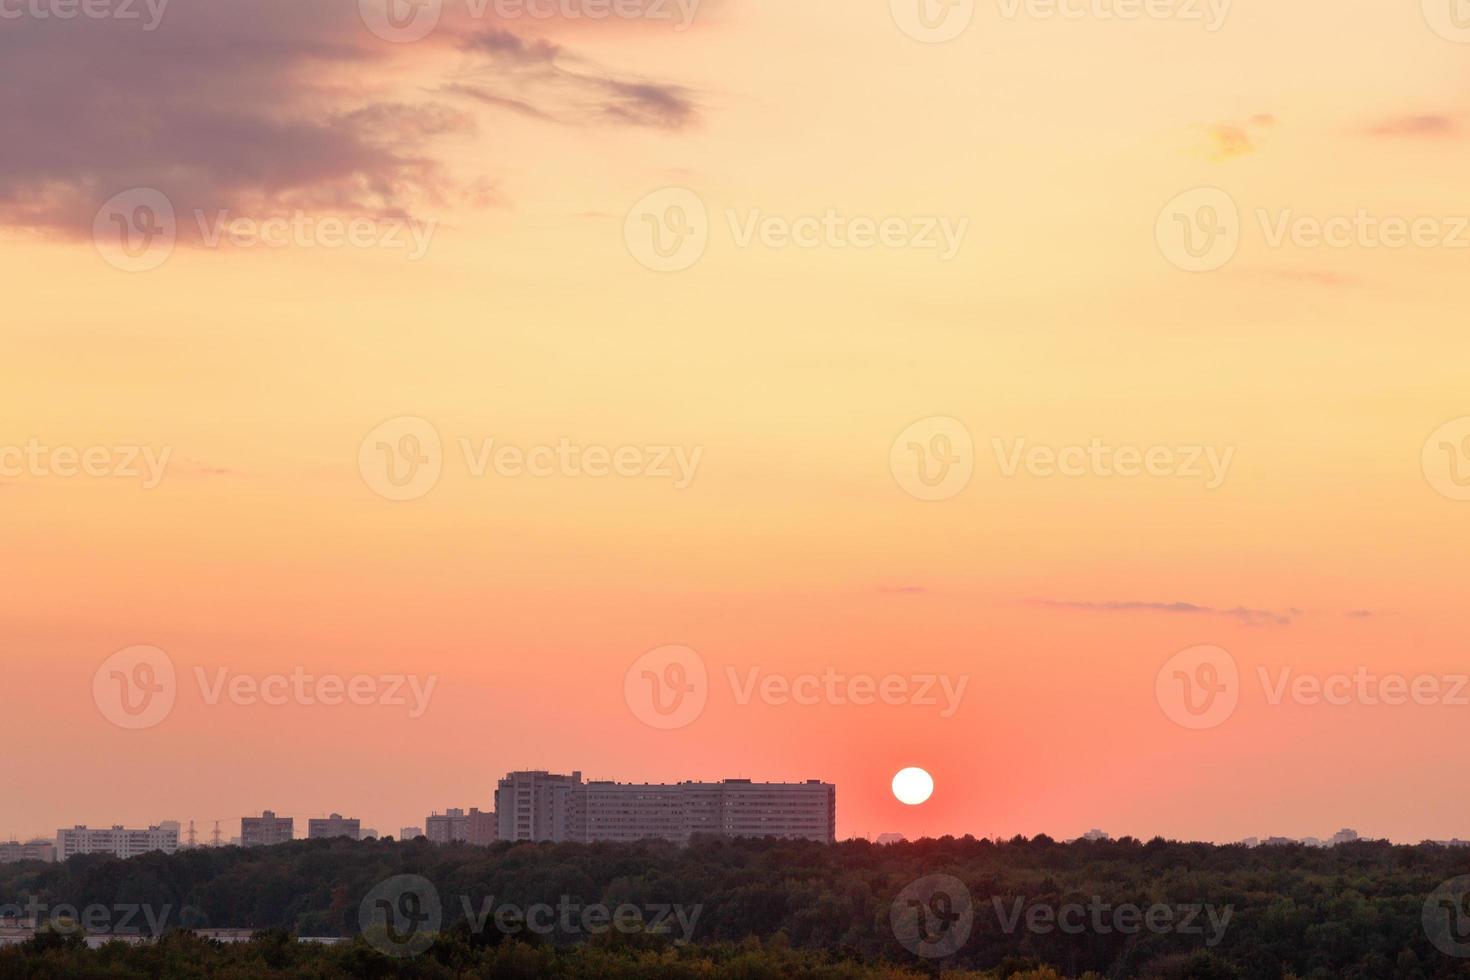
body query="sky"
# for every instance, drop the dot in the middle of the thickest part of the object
(1068, 400)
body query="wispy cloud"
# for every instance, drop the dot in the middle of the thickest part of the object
(1243, 614)
(1425, 125)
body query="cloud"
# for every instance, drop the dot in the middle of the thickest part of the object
(1316, 277)
(541, 80)
(1243, 614)
(265, 107)
(1229, 140)
(1428, 125)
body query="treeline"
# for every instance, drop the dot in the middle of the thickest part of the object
(751, 909)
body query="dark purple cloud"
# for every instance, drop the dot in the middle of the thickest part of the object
(265, 106)
(1250, 617)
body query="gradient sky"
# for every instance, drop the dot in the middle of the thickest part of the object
(531, 320)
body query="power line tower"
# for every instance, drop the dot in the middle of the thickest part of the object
(214, 840)
(193, 837)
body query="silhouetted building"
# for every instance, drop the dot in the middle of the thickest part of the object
(334, 826)
(266, 829)
(542, 806)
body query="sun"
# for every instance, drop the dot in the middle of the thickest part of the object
(913, 786)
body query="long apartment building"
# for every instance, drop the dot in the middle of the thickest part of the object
(117, 840)
(544, 806)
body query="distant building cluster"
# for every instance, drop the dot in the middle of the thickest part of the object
(1344, 836)
(529, 806)
(544, 806)
(39, 849)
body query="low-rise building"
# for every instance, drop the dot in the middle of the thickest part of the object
(335, 825)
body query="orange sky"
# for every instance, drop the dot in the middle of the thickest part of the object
(796, 547)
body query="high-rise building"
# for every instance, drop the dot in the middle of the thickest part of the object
(1344, 836)
(542, 806)
(39, 849)
(409, 833)
(536, 806)
(117, 840)
(334, 826)
(266, 829)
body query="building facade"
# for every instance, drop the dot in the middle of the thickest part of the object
(409, 833)
(475, 827)
(266, 829)
(117, 841)
(39, 849)
(336, 825)
(542, 806)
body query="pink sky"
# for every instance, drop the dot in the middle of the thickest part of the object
(1300, 384)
